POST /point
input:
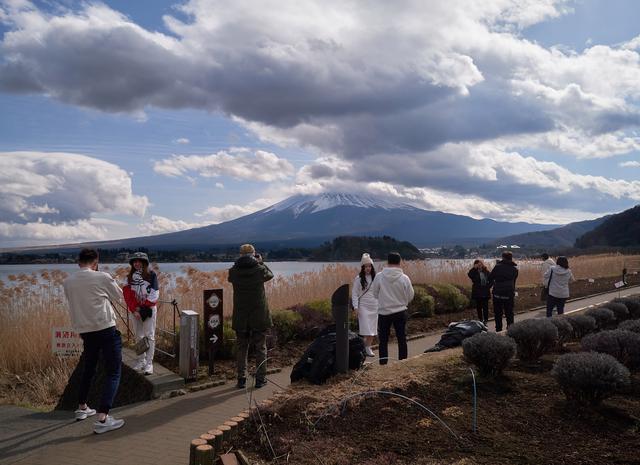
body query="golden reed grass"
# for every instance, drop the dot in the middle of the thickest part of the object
(31, 304)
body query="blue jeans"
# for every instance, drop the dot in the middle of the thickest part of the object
(109, 342)
(399, 321)
(555, 302)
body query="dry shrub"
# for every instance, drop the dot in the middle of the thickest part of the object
(632, 304)
(623, 345)
(630, 325)
(533, 337)
(490, 352)
(589, 378)
(620, 311)
(604, 317)
(565, 330)
(582, 325)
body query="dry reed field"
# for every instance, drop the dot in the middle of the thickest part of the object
(31, 304)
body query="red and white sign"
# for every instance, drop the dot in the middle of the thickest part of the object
(65, 342)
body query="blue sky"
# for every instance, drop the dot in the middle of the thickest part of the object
(129, 118)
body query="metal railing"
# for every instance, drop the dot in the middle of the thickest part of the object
(172, 331)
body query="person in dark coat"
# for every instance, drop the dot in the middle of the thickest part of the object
(480, 289)
(251, 318)
(503, 280)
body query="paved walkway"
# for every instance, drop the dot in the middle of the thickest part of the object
(158, 432)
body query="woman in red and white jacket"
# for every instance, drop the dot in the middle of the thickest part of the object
(141, 294)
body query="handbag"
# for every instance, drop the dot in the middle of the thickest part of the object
(545, 290)
(142, 345)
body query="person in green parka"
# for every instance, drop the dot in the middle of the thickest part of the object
(251, 317)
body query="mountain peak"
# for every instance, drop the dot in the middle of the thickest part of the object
(315, 203)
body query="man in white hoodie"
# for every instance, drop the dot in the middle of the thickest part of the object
(547, 263)
(89, 293)
(394, 291)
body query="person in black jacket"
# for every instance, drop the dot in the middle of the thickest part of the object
(503, 280)
(481, 289)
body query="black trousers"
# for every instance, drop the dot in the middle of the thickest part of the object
(503, 305)
(482, 307)
(398, 321)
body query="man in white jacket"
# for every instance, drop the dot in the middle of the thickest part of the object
(547, 263)
(89, 293)
(394, 291)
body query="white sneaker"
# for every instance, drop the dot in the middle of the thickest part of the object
(369, 352)
(109, 424)
(141, 365)
(82, 414)
(148, 370)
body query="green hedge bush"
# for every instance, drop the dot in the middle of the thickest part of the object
(286, 324)
(448, 298)
(423, 303)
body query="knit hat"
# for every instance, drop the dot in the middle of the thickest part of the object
(247, 249)
(366, 259)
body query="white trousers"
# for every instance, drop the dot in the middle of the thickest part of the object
(145, 328)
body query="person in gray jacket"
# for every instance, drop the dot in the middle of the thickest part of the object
(90, 293)
(558, 277)
(393, 290)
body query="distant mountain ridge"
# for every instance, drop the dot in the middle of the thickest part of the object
(310, 220)
(619, 230)
(562, 237)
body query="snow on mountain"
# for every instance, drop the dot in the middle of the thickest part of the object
(308, 204)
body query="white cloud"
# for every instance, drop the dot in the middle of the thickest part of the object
(48, 232)
(219, 185)
(232, 211)
(239, 163)
(160, 224)
(58, 193)
(630, 164)
(450, 99)
(182, 141)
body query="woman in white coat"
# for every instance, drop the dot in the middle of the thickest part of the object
(557, 279)
(365, 304)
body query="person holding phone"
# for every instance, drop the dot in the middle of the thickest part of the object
(251, 317)
(89, 294)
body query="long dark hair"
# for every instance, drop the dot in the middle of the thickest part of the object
(483, 268)
(563, 262)
(146, 274)
(363, 276)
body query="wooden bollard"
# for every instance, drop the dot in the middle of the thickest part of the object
(192, 449)
(226, 432)
(239, 420)
(234, 428)
(204, 455)
(217, 439)
(210, 438)
(246, 415)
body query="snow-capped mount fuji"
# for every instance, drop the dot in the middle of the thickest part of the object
(308, 204)
(309, 220)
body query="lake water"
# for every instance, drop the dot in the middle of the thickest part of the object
(278, 268)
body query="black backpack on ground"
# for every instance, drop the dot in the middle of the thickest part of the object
(317, 364)
(456, 333)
